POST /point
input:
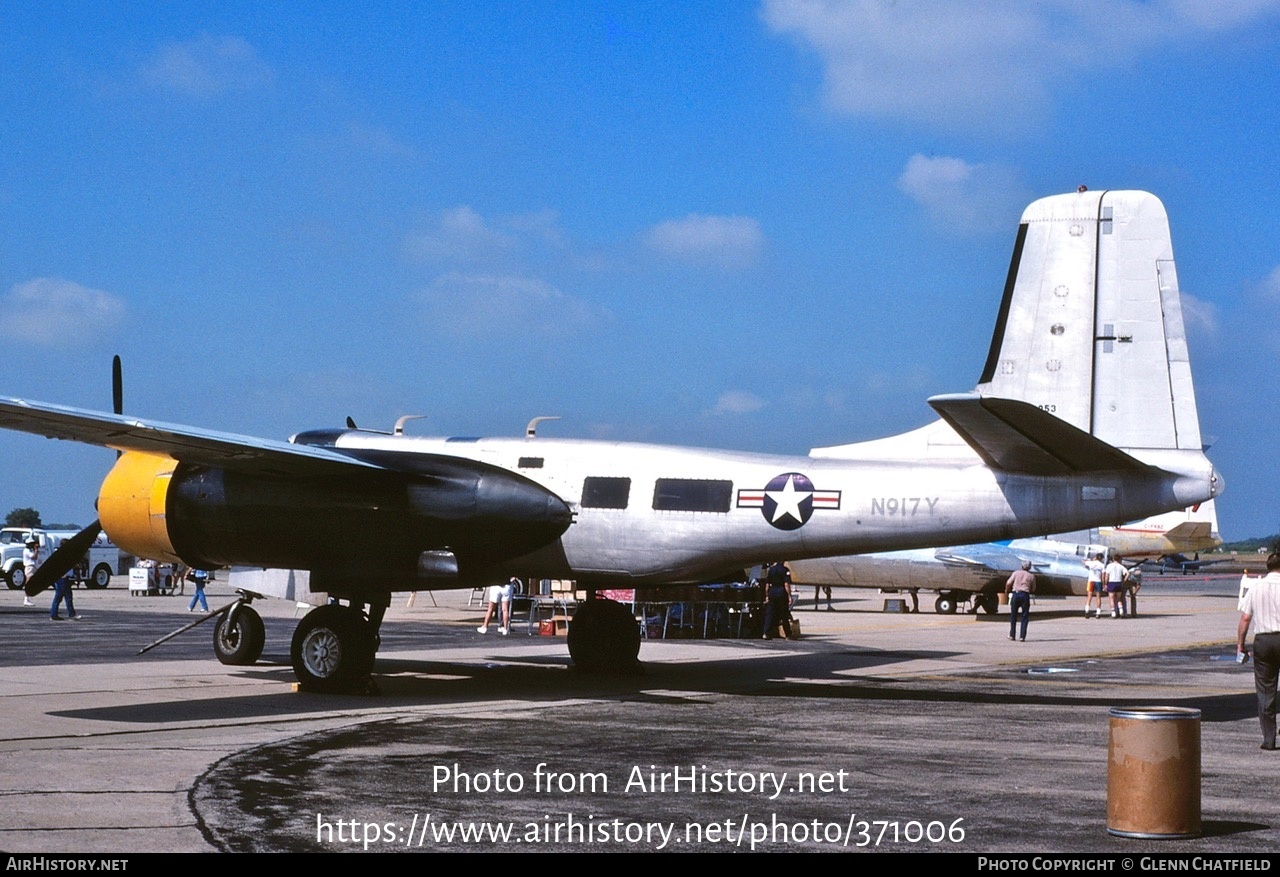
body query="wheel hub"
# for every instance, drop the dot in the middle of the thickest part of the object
(322, 652)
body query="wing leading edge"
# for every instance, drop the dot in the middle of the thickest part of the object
(183, 443)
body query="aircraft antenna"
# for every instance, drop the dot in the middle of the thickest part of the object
(532, 429)
(399, 430)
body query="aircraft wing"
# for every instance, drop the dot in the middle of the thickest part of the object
(1017, 436)
(991, 556)
(184, 443)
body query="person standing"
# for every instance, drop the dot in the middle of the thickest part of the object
(777, 606)
(199, 578)
(1261, 610)
(1132, 586)
(1019, 588)
(499, 594)
(827, 590)
(1095, 566)
(1115, 575)
(31, 561)
(61, 594)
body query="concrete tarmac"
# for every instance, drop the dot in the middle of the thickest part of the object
(889, 732)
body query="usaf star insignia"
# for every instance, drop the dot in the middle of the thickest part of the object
(788, 500)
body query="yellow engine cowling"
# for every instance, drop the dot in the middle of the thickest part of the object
(131, 505)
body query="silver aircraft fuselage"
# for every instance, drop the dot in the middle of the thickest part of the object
(678, 514)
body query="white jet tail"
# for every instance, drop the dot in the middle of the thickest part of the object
(1090, 327)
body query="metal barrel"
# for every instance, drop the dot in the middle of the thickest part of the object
(1153, 772)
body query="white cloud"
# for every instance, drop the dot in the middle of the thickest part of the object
(907, 381)
(50, 311)
(1199, 317)
(207, 66)
(380, 141)
(736, 402)
(541, 227)
(965, 198)
(725, 241)
(483, 305)
(975, 65)
(1270, 286)
(460, 235)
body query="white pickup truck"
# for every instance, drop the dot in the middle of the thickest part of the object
(94, 570)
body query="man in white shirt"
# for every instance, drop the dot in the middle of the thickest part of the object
(31, 561)
(1115, 574)
(1262, 610)
(1095, 566)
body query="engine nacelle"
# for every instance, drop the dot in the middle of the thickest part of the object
(367, 522)
(132, 505)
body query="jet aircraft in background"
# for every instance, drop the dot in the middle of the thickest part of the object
(1083, 415)
(960, 573)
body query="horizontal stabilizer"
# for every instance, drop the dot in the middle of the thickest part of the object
(1190, 531)
(1017, 436)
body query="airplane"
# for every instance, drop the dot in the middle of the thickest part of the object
(1191, 530)
(1179, 562)
(959, 573)
(1162, 542)
(1083, 415)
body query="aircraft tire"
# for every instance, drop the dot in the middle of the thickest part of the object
(333, 650)
(989, 603)
(945, 604)
(239, 644)
(16, 578)
(604, 637)
(100, 579)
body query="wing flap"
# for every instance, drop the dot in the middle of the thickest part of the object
(1016, 436)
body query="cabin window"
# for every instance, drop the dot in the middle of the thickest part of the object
(605, 493)
(692, 495)
(530, 463)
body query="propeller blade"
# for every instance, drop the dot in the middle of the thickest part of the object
(117, 385)
(62, 560)
(117, 393)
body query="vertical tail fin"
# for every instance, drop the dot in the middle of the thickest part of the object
(1090, 326)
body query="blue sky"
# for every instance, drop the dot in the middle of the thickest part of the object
(762, 226)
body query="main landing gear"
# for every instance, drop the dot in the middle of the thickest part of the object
(946, 603)
(988, 603)
(604, 637)
(333, 646)
(333, 649)
(239, 635)
(950, 601)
